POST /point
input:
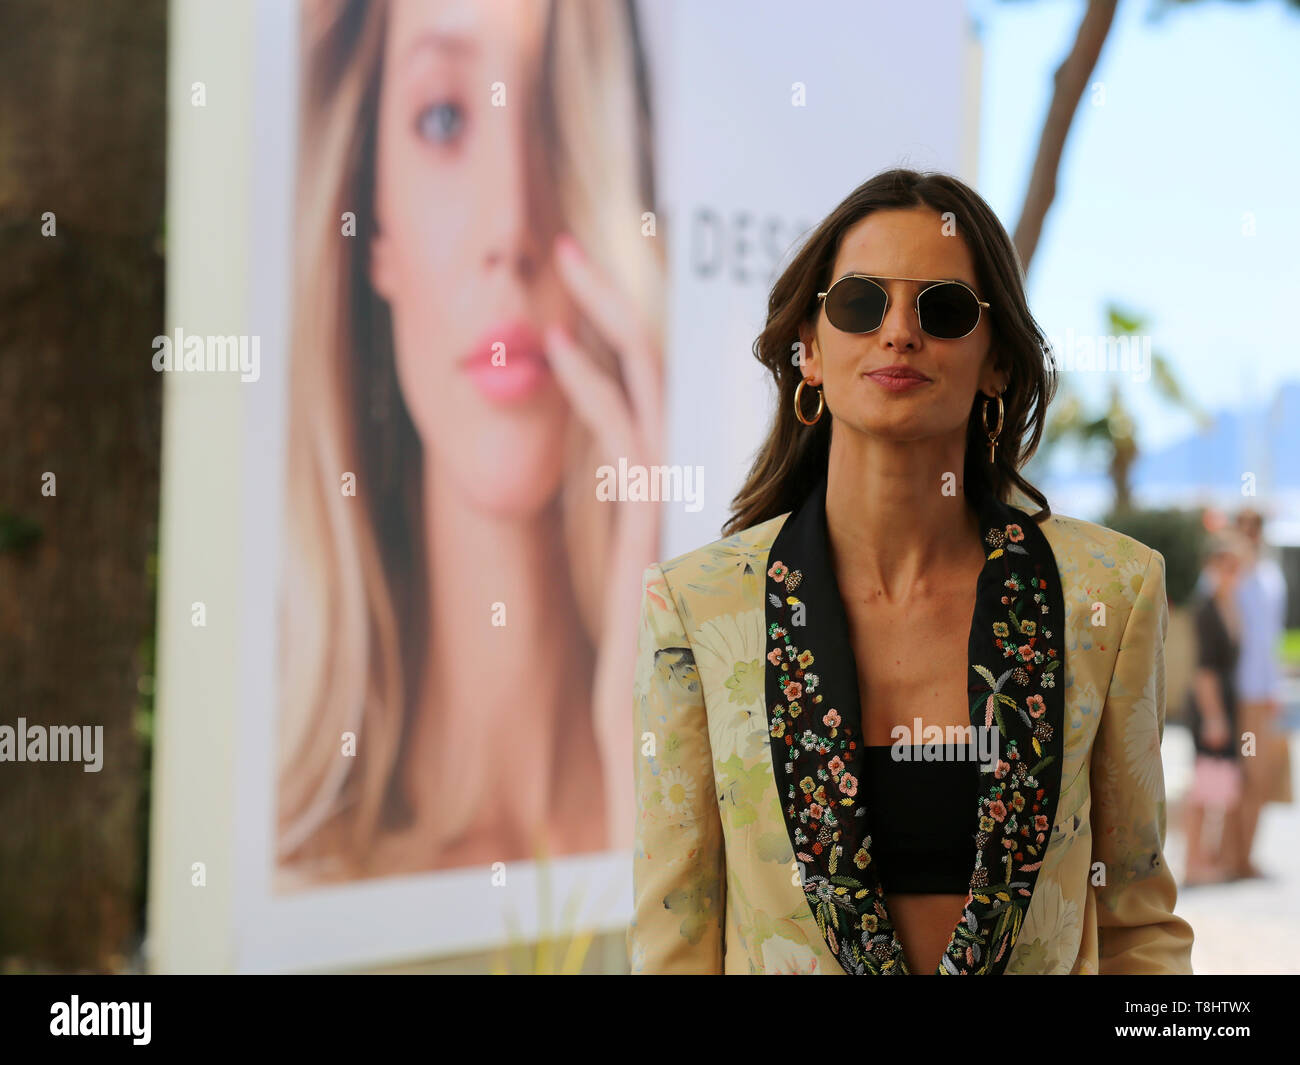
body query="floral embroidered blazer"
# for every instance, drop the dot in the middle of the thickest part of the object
(750, 852)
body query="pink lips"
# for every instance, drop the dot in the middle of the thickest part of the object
(512, 372)
(898, 378)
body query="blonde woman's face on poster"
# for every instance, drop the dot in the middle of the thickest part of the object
(459, 256)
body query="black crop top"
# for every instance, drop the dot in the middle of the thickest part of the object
(921, 818)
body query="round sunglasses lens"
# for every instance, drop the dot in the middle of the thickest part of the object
(948, 311)
(856, 305)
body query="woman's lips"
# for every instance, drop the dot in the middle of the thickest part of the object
(898, 378)
(514, 374)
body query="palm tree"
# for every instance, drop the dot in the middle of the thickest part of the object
(1114, 427)
(1068, 83)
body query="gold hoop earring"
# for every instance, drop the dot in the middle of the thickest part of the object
(798, 411)
(992, 433)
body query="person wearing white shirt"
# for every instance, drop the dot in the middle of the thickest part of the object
(1261, 600)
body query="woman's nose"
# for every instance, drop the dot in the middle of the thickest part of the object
(514, 205)
(900, 330)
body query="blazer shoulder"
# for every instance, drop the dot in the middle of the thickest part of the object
(725, 557)
(1078, 540)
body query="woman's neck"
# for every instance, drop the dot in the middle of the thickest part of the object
(899, 510)
(505, 655)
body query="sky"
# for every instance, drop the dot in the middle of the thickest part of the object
(1190, 133)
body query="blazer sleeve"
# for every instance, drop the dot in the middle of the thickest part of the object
(1136, 927)
(679, 874)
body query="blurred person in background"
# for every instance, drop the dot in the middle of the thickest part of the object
(1266, 774)
(1213, 713)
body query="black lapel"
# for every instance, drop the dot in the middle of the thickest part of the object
(814, 721)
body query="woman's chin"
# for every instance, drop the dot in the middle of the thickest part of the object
(502, 489)
(895, 434)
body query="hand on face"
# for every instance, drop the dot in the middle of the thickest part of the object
(626, 418)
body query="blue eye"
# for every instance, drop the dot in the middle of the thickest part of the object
(440, 123)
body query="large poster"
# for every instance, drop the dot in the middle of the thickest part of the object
(501, 252)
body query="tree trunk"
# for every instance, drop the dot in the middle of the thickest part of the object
(82, 137)
(1068, 84)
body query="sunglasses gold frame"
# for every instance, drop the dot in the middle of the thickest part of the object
(932, 283)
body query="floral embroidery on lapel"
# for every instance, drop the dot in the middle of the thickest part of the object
(1015, 651)
(814, 752)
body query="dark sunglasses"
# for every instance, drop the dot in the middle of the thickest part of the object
(947, 310)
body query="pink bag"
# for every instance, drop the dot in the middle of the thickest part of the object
(1215, 782)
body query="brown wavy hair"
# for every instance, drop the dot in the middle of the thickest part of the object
(794, 456)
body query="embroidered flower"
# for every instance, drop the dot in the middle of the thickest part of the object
(793, 689)
(863, 858)
(831, 718)
(848, 784)
(777, 729)
(1000, 629)
(1037, 708)
(805, 659)
(774, 656)
(1015, 534)
(1047, 680)
(778, 571)
(810, 682)
(836, 766)
(997, 810)
(1026, 652)
(1028, 628)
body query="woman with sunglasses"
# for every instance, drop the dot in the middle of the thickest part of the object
(893, 723)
